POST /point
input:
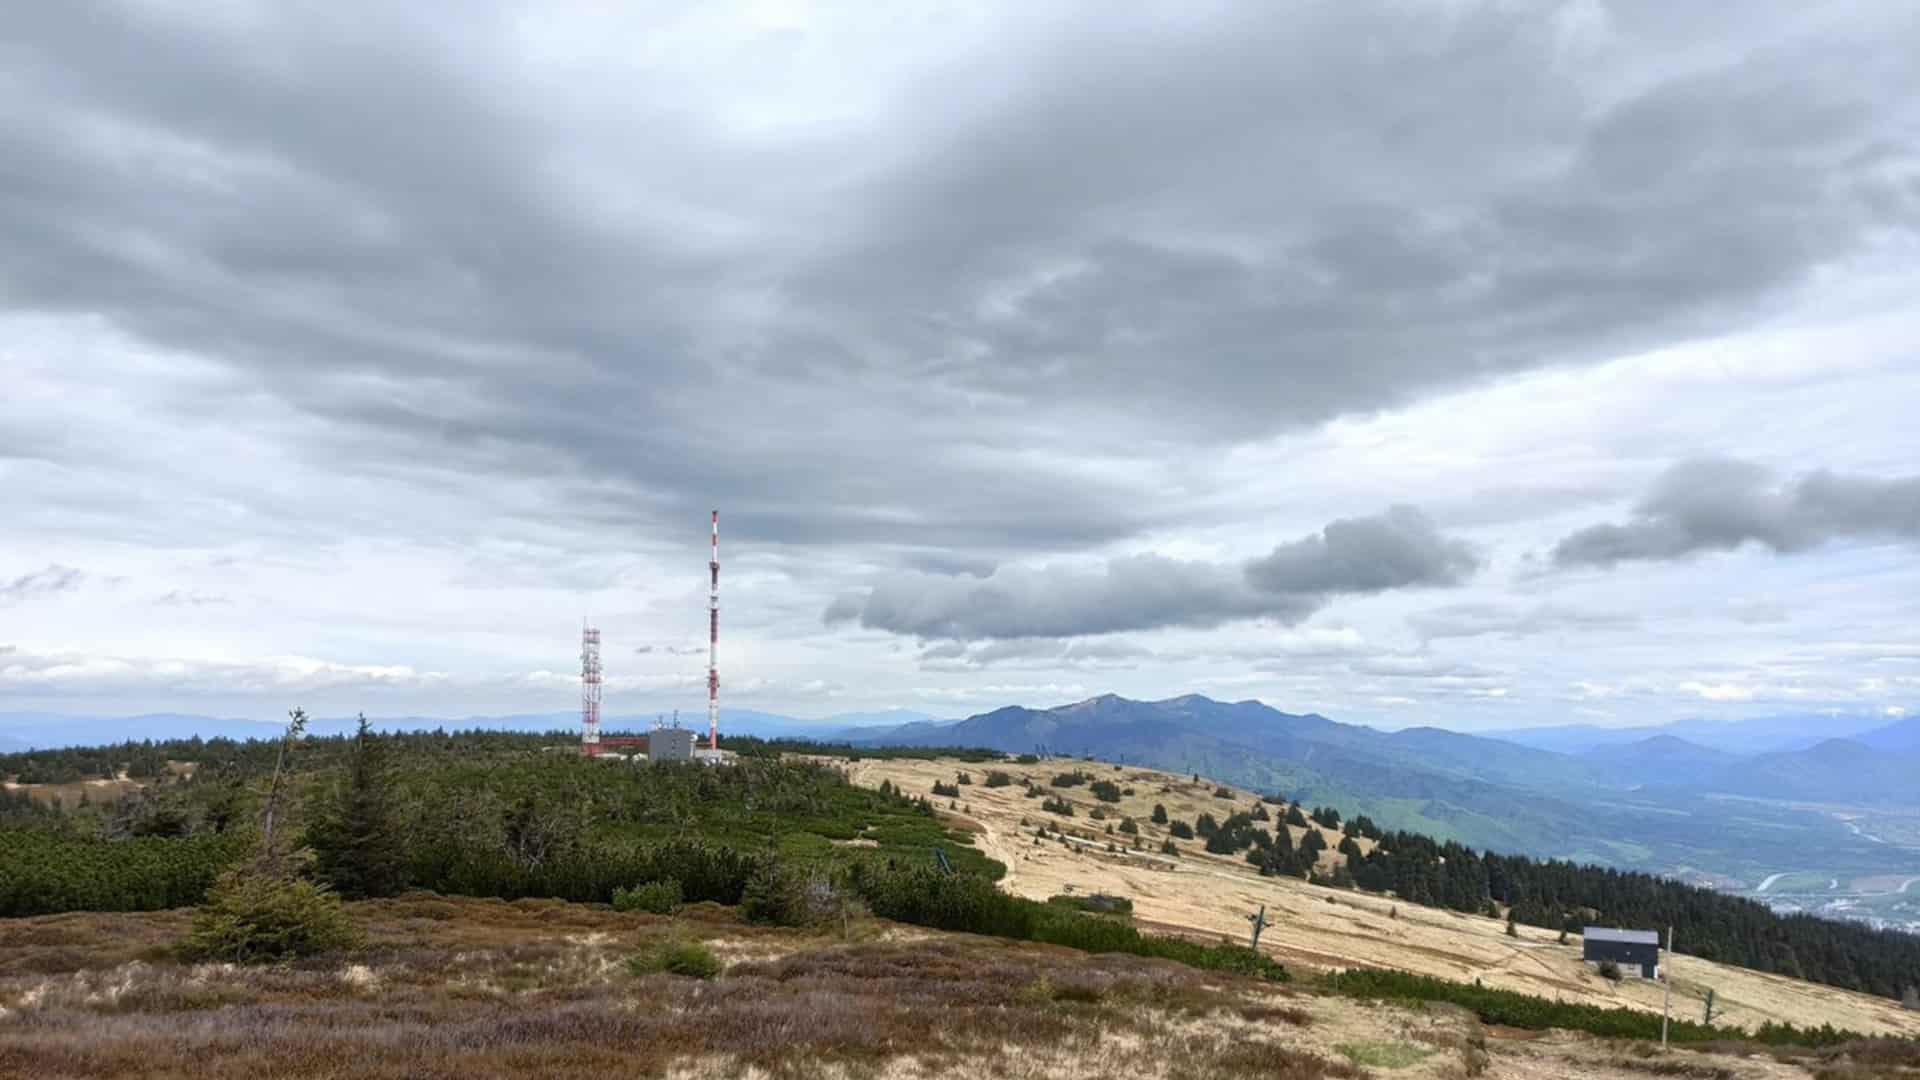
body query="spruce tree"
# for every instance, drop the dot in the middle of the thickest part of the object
(356, 840)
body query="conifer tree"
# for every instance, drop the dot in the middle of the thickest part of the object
(356, 840)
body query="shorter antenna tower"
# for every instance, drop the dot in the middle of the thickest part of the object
(713, 640)
(589, 690)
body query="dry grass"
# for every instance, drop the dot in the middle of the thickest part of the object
(472, 989)
(1314, 928)
(466, 988)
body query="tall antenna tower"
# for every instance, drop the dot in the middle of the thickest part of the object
(713, 641)
(589, 690)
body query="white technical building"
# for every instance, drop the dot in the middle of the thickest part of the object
(670, 744)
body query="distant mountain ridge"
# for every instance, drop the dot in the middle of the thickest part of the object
(1649, 801)
(1901, 735)
(21, 731)
(1469, 787)
(1666, 760)
(1759, 735)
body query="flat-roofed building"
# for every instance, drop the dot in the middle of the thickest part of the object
(670, 744)
(1636, 949)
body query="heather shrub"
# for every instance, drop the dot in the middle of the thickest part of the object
(258, 918)
(657, 897)
(688, 958)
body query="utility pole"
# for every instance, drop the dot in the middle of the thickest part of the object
(1666, 973)
(1259, 921)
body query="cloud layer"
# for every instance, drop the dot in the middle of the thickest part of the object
(1399, 548)
(356, 333)
(1719, 505)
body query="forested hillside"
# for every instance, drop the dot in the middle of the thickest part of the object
(506, 816)
(478, 813)
(492, 814)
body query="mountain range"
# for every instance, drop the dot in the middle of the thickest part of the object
(1654, 801)
(1758, 735)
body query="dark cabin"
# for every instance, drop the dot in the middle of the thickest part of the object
(1628, 948)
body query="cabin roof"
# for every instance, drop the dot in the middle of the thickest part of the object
(1624, 937)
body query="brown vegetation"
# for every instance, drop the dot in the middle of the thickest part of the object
(452, 987)
(467, 988)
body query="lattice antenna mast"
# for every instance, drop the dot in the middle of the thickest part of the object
(713, 640)
(589, 690)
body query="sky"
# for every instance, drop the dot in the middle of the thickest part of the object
(1469, 364)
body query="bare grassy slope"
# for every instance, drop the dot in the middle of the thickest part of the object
(473, 989)
(1314, 927)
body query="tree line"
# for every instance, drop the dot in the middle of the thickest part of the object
(1562, 895)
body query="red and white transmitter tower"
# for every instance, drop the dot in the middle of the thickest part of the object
(713, 640)
(589, 690)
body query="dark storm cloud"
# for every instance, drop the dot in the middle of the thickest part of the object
(1396, 549)
(54, 579)
(1719, 505)
(920, 333)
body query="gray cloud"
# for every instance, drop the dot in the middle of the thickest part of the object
(191, 598)
(1715, 504)
(670, 650)
(1396, 549)
(1504, 620)
(1399, 548)
(54, 579)
(990, 287)
(1033, 654)
(1132, 593)
(497, 309)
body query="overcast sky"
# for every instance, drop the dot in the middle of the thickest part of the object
(1467, 364)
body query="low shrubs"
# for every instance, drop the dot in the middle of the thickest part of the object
(688, 958)
(1537, 1014)
(998, 778)
(1093, 903)
(779, 894)
(971, 904)
(1105, 791)
(656, 897)
(252, 917)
